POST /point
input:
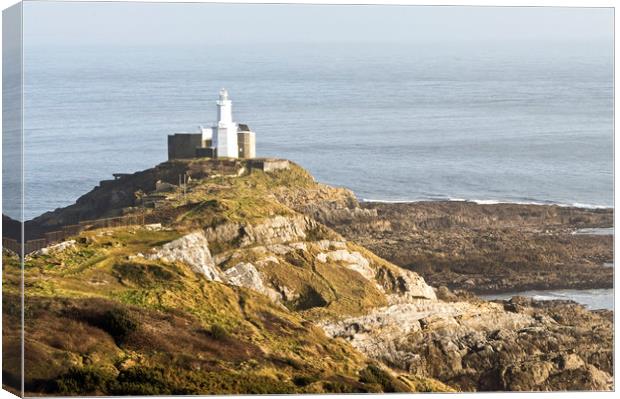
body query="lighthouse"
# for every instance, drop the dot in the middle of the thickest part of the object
(225, 131)
(224, 108)
(224, 139)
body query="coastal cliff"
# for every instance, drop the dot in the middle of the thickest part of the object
(244, 281)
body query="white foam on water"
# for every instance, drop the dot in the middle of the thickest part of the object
(487, 202)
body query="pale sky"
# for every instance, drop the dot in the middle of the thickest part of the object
(70, 23)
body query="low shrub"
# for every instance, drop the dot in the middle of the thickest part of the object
(118, 323)
(303, 380)
(85, 380)
(140, 380)
(341, 387)
(218, 332)
(374, 375)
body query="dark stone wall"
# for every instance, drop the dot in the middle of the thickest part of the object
(183, 145)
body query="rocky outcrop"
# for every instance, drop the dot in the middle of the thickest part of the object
(352, 260)
(61, 246)
(475, 345)
(319, 263)
(404, 286)
(275, 230)
(487, 248)
(246, 275)
(326, 204)
(193, 250)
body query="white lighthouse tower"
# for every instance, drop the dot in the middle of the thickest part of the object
(224, 139)
(225, 132)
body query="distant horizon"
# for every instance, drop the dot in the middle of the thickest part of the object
(596, 40)
(472, 94)
(144, 24)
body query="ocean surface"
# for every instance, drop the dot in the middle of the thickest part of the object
(592, 299)
(595, 231)
(512, 121)
(493, 122)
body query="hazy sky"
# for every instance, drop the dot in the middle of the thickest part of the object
(68, 23)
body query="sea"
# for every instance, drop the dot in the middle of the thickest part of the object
(513, 121)
(593, 299)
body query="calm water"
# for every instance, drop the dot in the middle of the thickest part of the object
(517, 122)
(595, 231)
(592, 299)
(521, 122)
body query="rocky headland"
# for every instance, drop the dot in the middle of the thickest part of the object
(251, 282)
(481, 248)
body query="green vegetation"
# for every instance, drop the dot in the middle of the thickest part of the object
(218, 332)
(375, 375)
(103, 318)
(248, 198)
(118, 323)
(84, 380)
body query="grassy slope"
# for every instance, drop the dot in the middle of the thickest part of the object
(99, 320)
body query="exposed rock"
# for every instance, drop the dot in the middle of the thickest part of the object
(326, 245)
(299, 246)
(483, 248)
(267, 260)
(163, 187)
(352, 260)
(193, 250)
(279, 229)
(153, 226)
(479, 346)
(246, 275)
(276, 230)
(444, 294)
(227, 232)
(404, 285)
(61, 246)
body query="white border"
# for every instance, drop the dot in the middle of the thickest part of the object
(531, 3)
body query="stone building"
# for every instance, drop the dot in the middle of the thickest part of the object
(225, 139)
(246, 141)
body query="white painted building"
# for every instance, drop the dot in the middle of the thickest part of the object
(223, 134)
(225, 139)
